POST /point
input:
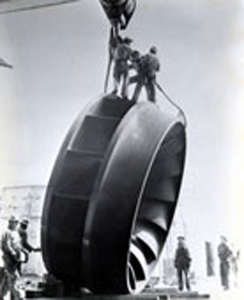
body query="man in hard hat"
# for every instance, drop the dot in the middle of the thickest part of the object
(139, 78)
(146, 67)
(182, 264)
(151, 66)
(12, 255)
(121, 56)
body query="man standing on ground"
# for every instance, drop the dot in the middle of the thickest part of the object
(26, 246)
(224, 254)
(182, 264)
(11, 249)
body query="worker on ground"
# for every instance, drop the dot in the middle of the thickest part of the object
(182, 264)
(26, 246)
(121, 56)
(224, 254)
(12, 255)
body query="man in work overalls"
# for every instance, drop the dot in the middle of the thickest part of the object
(12, 252)
(121, 56)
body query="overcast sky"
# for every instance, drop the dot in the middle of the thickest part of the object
(59, 56)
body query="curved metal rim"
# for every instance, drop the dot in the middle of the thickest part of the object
(140, 199)
(103, 184)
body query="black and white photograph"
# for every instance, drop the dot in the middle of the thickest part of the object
(121, 149)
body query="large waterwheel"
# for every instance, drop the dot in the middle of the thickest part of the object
(112, 196)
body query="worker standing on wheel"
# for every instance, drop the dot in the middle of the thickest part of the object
(121, 56)
(151, 66)
(146, 67)
(139, 78)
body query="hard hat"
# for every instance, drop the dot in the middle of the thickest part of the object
(24, 221)
(135, 54)
(127, 40)
(153, 50)
(13, 219)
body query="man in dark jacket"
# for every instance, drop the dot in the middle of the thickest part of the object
(139, 78)
(146, 67)
(24, 236)
(26, 246)
(224, 254)
(182, 264)
(152, 66)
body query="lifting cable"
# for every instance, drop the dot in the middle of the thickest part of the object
(113, 38)
(181, 112)
(110, 58)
